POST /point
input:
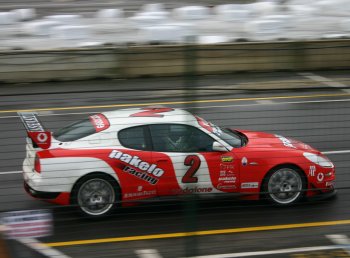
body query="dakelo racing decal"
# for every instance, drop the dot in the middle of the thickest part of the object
(139, 168)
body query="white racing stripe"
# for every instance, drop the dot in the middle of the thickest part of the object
(271, 252)
(324, 152)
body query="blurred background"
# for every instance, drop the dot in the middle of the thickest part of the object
(275, 66)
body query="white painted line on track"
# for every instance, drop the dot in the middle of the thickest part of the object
(41, 248)
(204, 107)
(336, 152)
(10, 172)
(148, 253)
(325, 80)
(265, 102)
(272, 252)
(341, 240)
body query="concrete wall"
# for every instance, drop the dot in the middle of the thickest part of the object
(78, 64)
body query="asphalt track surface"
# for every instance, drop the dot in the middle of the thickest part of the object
(318, 115)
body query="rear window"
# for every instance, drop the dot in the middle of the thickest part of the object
(80, 129)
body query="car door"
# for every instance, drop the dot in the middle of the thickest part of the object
(190, 165)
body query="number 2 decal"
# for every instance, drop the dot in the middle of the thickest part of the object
(194, 162)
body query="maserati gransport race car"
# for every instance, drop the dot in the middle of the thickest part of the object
(115, 158)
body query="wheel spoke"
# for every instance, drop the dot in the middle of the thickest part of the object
(284, 186)
(96, 196)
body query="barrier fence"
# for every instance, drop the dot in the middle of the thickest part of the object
(141, 61)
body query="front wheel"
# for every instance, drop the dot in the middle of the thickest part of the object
(285, 186)
(95, 195)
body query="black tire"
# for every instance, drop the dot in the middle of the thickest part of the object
(96, 195)
(284, 186)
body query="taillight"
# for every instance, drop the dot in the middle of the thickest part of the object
(37, 165)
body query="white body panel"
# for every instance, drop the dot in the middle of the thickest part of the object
(60, 174)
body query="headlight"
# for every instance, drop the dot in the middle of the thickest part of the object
(319, 160)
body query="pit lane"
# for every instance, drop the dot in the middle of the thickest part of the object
(321, 119)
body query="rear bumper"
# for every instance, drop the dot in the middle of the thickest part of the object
(40, 194)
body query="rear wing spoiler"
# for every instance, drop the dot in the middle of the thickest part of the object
(36, 132)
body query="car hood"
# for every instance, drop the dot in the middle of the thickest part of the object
(267, 140)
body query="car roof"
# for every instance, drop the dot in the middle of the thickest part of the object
(124, 118)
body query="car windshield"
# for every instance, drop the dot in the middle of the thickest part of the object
(75, 131)
(233, 138)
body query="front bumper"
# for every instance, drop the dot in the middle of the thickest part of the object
(323, 195)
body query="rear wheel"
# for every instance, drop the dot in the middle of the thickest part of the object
(96, 195)
(285, 186)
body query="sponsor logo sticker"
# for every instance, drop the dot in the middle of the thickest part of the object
(286, 142)
(226, 158)
(250, 185)
(328, 184)
(196, 189)
(100, 122)
(244, 161)
(320, 177)
(228, 179)
(312, 170)
(137, 167)
(140, 194)
(221, 186)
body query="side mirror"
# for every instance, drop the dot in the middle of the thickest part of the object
(219, 147)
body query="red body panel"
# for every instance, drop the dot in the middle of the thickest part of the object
(146, 174)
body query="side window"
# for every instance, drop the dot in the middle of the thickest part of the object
(134, 138)
(179, 138)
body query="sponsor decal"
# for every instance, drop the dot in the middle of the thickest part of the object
(286, 142)
(140, 194)
(320, 177)
(196, 189)
(31, 122)
(42, 139)
(152, 112)
(312, 170)
(226, 158)
(328, 184)
(137, 162)
(208, 126)
(100, 122)
(250, 185)
(221, 186)
(226, 170)
(244, 161)
(141, 175)
(228, 179)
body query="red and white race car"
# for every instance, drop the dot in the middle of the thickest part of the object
(110, 159)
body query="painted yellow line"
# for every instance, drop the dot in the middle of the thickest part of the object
(176, 102)
(199, 233)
